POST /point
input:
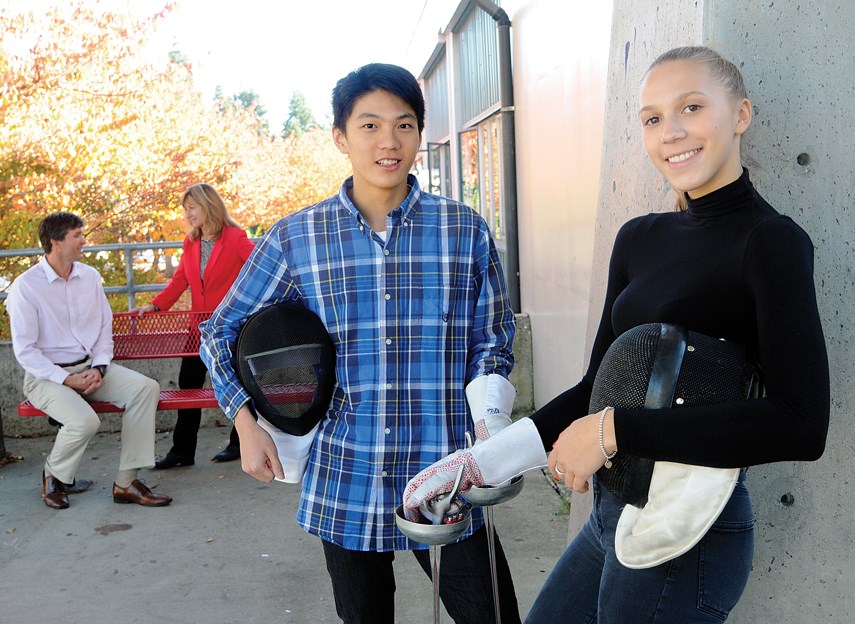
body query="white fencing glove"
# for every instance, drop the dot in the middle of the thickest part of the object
(491, 401)
(511, 452)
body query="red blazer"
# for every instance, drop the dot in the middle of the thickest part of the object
(230, 252)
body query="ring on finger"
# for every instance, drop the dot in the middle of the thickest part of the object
(559, 472)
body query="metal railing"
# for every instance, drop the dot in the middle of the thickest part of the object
(128, 250)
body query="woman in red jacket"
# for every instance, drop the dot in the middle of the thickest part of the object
(214, 252)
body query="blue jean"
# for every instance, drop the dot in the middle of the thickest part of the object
(590, 586)
(364, 583)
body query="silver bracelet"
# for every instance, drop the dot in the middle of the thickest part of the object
(608, 457)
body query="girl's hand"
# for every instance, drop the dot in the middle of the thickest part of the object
(576, 455)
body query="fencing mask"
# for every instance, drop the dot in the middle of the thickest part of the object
(286, 362)
(669, 506)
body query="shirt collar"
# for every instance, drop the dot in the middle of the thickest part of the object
(51, 274)
(402, 213)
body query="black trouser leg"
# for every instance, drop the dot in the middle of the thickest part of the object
(363, 584)
(191, 376)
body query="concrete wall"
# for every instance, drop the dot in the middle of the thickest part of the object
(166, 373)
(560, 61)
(799, 71)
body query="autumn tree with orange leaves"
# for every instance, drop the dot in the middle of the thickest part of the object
(89, 125)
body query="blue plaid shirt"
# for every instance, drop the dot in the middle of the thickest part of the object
(413, 318)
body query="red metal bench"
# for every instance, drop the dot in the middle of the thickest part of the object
(168, 335)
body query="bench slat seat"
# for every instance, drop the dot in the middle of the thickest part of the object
(185, 399)
(171, 334)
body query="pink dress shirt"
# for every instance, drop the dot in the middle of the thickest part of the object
(57, 321)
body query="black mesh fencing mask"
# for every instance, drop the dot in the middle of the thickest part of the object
(286, 362)
(659, 365)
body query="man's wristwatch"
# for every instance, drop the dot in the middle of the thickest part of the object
(101, 368)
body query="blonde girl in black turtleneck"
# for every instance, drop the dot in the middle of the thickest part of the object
(725, 264)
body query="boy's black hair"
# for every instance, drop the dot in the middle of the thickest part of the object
(55, 226)
(376, 77)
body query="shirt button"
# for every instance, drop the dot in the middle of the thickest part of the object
(385, 252)
(388, 341)
(387, 431)
(384, 473)
(388, 386)
(361, 229)
(406, 224)
(387, 296)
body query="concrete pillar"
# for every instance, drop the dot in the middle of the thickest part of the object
(799, 70)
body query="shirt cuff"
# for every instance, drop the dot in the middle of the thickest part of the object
(59, 375)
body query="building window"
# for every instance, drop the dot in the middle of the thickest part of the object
(439, 169)
(481, 174)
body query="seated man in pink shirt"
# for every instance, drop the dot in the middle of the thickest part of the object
(62, 335)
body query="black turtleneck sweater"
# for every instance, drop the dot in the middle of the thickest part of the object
(729, 267)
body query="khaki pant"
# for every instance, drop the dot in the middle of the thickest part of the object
(124, 387)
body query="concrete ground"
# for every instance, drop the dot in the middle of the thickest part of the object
(227, 550)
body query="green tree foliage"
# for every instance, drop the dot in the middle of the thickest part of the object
(249, 100)
(245, 100)
(300, 117)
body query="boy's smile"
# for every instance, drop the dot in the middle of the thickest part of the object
(382, 139)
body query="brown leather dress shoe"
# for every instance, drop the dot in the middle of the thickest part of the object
(75, 487)
(137, 492)
(54, 494)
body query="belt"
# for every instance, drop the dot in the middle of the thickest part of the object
(74, 363)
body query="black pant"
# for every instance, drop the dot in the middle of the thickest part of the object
(364, 583)
(192, 375)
